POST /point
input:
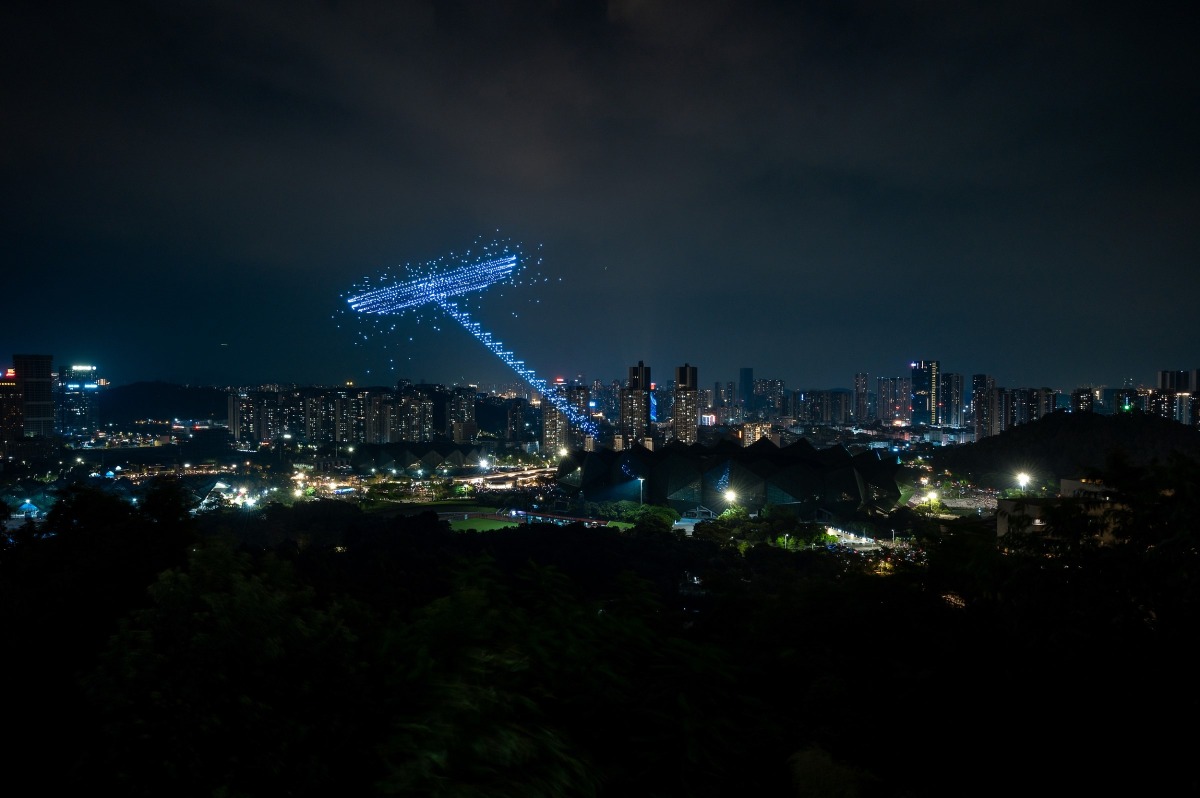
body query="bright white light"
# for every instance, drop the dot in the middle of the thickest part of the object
(730, 496)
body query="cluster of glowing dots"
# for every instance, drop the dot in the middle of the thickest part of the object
(440, 288)
(437, 288)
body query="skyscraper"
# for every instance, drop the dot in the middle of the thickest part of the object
(517, 421)
(983, 404)
(745, 396)
(860, 398)
(12, 414)
(925, 385)
(78, 399)
(769, 397)
(1178, 396)
(1184, 381)
(460, 415)
(35, 378)
(894, 400)
(416, 417)
(579, 396)
(1083, 400)
(687, 404)
(554, 430)
(952, 400)
(635, 404)
(557, 432)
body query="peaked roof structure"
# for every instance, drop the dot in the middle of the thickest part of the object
(412, 455)
(682, 476)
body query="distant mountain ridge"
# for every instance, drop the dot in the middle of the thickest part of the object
(1065, 445)
(161, 401)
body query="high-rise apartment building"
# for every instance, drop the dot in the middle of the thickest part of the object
(894, 400)
(1083, 400)
(952, 398)
(383, 422)
(255, 416)
(686, 418)
(983, 405)
(416, 417)
(579, 396)
(1030, 404)
(754, 431)
(635, 405)
(517, 420)
(828, 407)
(769, 397)
(460, 414)
(555, 426)
(925, 384)
(555, 431)
(1182, 381)
(723, 394)
(35, 378)
(1003, 412)
(350, 415)
(1181, 406)
(861, 402)
(1177, 396)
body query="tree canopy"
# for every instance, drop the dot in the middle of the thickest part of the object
(319, 650)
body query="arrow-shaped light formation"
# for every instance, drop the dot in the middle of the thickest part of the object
(439, 288)
(436, 287)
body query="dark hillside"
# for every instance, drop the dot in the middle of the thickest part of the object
(1068, 445)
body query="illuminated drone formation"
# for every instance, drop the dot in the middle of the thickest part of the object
(435, 288)
(440, 286)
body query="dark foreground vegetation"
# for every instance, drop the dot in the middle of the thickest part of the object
(318, 651)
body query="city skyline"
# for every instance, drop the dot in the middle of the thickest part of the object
(512, 378)
(39, 404)
(816, 191)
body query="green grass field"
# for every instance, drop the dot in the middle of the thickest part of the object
(480, 524)
(458, 524)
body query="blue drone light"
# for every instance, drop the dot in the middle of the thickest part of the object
(439, 287)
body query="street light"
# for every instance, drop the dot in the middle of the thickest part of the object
(730, 496)
(641, 480)
(1022, 480)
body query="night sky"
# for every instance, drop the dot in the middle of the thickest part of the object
(808, 189)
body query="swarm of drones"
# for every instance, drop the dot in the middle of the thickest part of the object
(448, 284)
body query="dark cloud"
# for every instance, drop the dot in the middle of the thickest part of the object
(810, 189)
